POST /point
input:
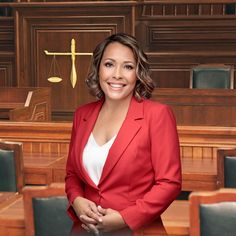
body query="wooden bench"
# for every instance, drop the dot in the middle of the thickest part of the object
(200, 107)
(41, 168)
(12, 216)
(58, 170)
(25, 104)
(199, 174)
(175, 219)
(45, 168)
(7, 197)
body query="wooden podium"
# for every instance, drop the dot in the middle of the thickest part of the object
(25, 104)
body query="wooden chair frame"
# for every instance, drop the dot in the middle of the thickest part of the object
(197, 198)
(223, 66)
(17, 147)
(221, 153)
(55, 189)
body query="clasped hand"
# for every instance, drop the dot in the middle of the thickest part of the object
(96, 219)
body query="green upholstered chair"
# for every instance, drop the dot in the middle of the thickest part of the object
(226, 168)
(11, 167)
(45, 210)
(212, 76)
(213, 213)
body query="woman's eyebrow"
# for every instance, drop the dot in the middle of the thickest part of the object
(126, 61)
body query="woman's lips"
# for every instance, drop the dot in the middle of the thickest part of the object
(115, 85)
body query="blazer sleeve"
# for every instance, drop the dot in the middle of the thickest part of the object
(73, 184)
(165, 157)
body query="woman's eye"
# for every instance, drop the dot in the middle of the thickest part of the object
(108, 64)
(129, 67)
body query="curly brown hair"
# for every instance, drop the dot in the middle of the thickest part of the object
(144, 85)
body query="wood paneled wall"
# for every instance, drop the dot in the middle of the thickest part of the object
(180, 34)
(175, 34)
(51, 27)
(200, 107)
(7, 52)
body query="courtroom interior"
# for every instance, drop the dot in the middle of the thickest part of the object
(45, 55)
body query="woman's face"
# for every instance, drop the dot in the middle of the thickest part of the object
(117, 72)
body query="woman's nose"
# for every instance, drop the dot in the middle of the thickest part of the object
(117, 73)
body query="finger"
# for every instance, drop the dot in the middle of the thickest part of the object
(93, 215)
(95, 210)
(102, 210)
(87, 220)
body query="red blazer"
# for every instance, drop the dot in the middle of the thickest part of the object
(142, 173)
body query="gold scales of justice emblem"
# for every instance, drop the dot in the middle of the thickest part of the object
(54, 65)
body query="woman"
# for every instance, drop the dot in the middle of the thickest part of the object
(123, 168)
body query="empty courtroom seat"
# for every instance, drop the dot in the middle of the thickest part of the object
(226, 168)
(213, 213)
(210, 76)
(11, 167)
(45, 211)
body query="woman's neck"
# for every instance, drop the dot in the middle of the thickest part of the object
(110, 120)
(116, 106)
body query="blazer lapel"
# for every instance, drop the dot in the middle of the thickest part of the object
(86, 127)
(127, 132)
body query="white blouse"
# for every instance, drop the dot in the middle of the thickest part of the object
(94, 157)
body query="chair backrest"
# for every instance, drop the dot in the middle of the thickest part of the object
(226, 168)
(45, 210)
(212, 76)
(11, 167)
(213, 213)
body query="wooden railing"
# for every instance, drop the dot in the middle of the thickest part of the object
(45, 147)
